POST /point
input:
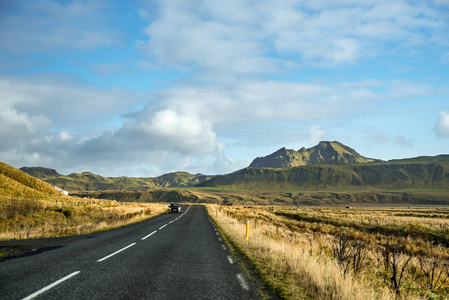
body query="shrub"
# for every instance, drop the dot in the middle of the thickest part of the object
(13, 207)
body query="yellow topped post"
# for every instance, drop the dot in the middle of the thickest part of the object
(247, 229)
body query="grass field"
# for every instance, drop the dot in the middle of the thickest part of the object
(344, 253)
(22, 218)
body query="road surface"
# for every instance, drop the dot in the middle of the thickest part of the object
(172, 256)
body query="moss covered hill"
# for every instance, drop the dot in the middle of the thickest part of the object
(323, 153)
(15, 183)
(80, 182)
(418, 173)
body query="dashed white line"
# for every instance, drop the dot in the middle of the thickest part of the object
(220, 239)
(149, 235)
(171, 222)
(231, 261)
(116, 252)
(223, 246)
(243, 282)
(163, 226)
(51, 286)
(217, 233)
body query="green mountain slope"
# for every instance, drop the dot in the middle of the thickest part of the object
(422, 173)
(323, 153)
(86, 181)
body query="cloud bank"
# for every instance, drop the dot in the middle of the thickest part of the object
(240, 73)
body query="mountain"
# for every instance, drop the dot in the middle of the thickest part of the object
(323, 153)
(419, 173)
(86, 181)
(15, 183)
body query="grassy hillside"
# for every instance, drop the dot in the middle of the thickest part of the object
(306, 198)
(79, 182)
(32, 208)
(421, 173)
(15, 183)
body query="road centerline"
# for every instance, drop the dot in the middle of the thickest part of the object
(116, 252)
(147, 236)
(51, 286)
(163, 226)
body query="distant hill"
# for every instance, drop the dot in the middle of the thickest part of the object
(15, 183)
(419, 173)
(323, 153)
(86, 181)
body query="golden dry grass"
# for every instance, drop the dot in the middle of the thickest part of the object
(34, 218)
(296, 257)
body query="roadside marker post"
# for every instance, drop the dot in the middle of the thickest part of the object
(247, 229)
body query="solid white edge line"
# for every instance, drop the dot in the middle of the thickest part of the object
(51, 286)
(242, 282)
(116, 252)
(149, 235)
(163, 226)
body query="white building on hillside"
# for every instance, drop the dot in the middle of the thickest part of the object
(62, 190)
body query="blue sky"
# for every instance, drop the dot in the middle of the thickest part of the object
(142, 88)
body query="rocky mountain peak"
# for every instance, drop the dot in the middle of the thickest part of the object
(323, 153)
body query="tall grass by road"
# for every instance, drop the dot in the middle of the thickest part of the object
(330, 253)
(22, 218)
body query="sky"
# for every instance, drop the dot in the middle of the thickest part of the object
(143, 88)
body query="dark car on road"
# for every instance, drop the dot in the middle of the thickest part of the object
(174, 208)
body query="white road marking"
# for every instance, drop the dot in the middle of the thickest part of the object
(149, 235)
(163, 226)
(220, 239)
(223, 246)
(51, 286)
(231, 261)
(171, 222)
(116, 252)
(217, 233)
(243, 282)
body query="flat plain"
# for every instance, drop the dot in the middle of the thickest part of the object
(363, 252)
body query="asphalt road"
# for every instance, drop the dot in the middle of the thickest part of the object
(172, 256)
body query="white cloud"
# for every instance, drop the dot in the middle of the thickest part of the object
(442, 126)
(379, 137)
(17, 128)
(316, 134)
(226, 50)
(240, 37)
(400, 89)
(48, 25)
(68, 103)
(258, 101)
(403, 141)
(72, 124)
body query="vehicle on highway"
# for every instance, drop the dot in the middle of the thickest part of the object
(174, 208)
